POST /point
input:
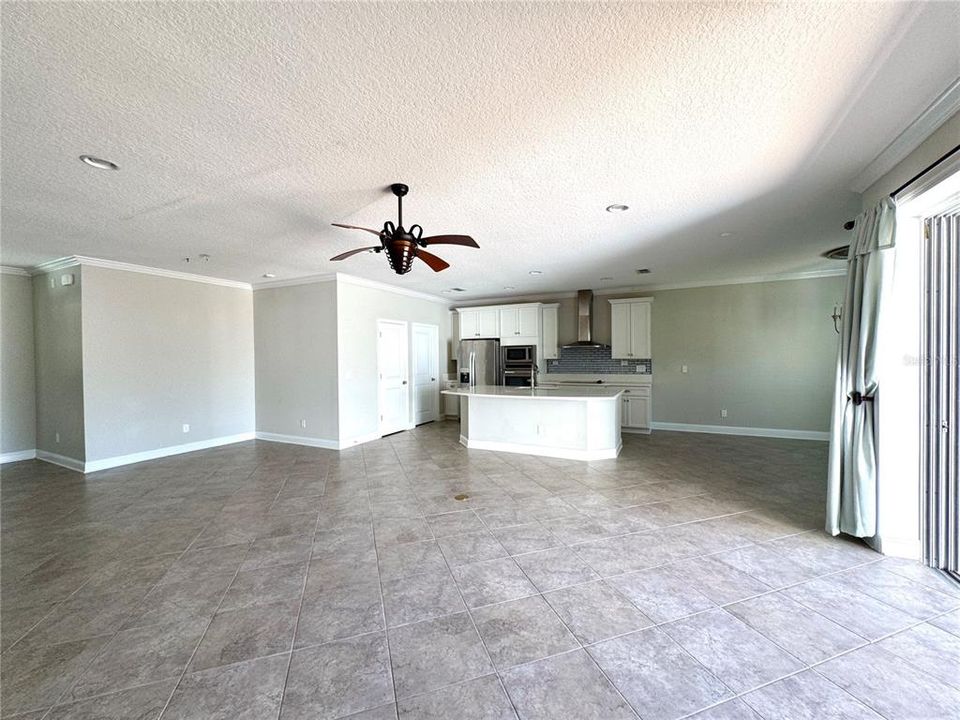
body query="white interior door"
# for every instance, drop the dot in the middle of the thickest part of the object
(392, 363)
(426, 380)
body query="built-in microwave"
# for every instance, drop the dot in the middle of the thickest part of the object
(519, 355)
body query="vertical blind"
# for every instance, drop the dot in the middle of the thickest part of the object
(940, 385)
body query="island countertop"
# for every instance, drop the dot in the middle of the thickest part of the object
(576, 392)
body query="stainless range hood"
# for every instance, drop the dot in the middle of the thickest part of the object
(584, 321)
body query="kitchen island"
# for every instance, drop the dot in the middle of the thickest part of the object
(577, 423)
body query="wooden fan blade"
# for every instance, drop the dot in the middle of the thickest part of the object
(354, 227)
(436, 264)
(450, 240)
(344, 256)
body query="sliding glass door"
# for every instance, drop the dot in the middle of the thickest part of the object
(940, 391)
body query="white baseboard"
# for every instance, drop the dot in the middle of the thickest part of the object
(316, 442)
(62, 460)
(563, 453)
(299, 440)
(17, 456)
(106, 463)
(748, 431)
(635, 430)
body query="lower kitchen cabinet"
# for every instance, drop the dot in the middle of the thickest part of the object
(635, 410)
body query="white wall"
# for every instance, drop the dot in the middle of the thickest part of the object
(18, 411)
(296, 360)
(58, 349)
(360, 306)
(161, 352)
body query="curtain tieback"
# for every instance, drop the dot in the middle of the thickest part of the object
(858, 398)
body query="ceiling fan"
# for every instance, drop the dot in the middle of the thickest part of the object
(401, 245)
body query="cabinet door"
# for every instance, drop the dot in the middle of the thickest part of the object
(509, 322)
(620, 330)
(469, 324)
(640, 330)
(637, 413)
(550, 349)
(489, 323)
(528, 321)
(624, 411)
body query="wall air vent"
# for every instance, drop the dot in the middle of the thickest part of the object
(838, 253)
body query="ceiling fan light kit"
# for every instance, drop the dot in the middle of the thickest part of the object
(403, 246)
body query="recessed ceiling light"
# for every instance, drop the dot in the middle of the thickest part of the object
(643, 271)
(536, 272)
(508, 287)
(604, 279)
(98, 163)
(446, 291)
(268, 275)
(617, 208)
(726, 234)
(458, 289)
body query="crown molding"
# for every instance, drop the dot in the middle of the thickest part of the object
(10, 270)
(548, 297)
(749, 280)
(290, 282)
(386, 287)
(936, 114)
(352, 280)
(83, 261)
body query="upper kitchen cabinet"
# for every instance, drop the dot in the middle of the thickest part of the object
(551, 349)
(520, 324)
(479, 323)
(630, 328)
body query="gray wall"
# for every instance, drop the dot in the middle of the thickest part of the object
(764, 351)
(158, 353)
(296, 360)
(18, 410)
(360, 308)
(59, 363)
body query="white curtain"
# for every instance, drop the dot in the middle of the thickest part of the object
(852, 479)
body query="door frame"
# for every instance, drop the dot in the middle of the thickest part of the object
(435, 351)
(406, 375)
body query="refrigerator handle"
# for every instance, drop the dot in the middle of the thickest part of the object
(472, 368)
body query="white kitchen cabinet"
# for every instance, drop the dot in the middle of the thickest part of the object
(635, 407)
(551, 350)
(479, 323)
(630, 328)
(520, 325)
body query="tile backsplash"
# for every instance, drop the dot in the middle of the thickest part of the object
(596, 361)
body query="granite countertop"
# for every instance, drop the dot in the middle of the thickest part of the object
(567, 392)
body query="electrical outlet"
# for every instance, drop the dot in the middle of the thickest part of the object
(186, 427)
(723, 413)
(624, 363)
(684, 369)
(303, 424)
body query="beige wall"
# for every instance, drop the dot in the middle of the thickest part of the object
(158, 353)
(18, 411)
(928, 152)
(360, 307)
(58, 348)
(295, 330)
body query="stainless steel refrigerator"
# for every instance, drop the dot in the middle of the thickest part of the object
(478, 362)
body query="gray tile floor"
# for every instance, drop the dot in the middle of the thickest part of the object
(686, 578)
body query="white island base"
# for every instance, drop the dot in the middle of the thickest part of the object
(579, 423)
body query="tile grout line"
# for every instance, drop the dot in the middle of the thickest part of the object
(303, 590)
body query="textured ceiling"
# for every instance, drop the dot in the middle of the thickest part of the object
(243, 130)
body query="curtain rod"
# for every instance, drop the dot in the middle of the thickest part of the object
(848, 225)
